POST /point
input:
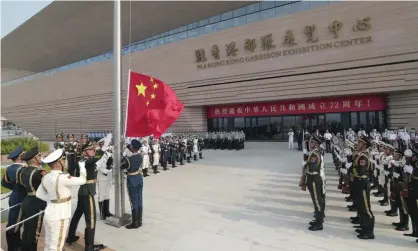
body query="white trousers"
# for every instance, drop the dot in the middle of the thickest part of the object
(104, 187)
(55, 234)
(290, 143)
(145, 161)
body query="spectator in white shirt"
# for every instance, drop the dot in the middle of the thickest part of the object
(291, 133)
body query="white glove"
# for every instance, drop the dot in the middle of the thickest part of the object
(343, 170)
(386, 173)
(395, 163)
(305, 151)
(303, 163)
(379, 167)
(348, 165)
(408, 169)
(82, 166)
(396, 175)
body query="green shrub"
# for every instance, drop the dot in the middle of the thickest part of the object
(8, 145)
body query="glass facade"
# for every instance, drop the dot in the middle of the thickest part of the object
(242, 16)
(277, 128)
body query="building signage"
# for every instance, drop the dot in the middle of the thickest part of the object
(329, 105)
(267, 45)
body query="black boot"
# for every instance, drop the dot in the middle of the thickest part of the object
(11, 237)
(188, 159)
(414, 231)
(195, 157)
(135, 222)
(106, 207)
(102, 211)
(155, 169)
(89, 241)
(145, 172)
(200, 155)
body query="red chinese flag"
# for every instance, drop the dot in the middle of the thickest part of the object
(152, 106)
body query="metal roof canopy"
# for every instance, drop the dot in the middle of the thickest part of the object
(67, 32)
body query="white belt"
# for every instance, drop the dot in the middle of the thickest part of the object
(312, 173)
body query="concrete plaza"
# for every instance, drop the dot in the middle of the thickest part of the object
(246, 200)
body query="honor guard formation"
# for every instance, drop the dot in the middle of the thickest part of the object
(44, 199)
(386, 163)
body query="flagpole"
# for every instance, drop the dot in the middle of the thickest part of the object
(117, 112)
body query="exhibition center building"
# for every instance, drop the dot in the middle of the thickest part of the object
(261, 67)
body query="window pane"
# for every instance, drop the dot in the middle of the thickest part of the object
(203, 22)
(192, 26)
(227, 24)
(239, 124)
(214, 19)
(354, 123)
(210, 125)
(300, 6)
(373, 122)
(288, 123)
(284, 10)
(266, 5)
(239, 21)
(253, 8)
(276, 128)
(333, 121)
(265, 14)
(247, 130)
(314, 4)
(239, 12)
(363, 120)
(225, 127)
(253, 17)
(226, 15)
(215, 124)
(321, 123)
(280, 3)
(263, 124)
(381, 122)
(192, 33)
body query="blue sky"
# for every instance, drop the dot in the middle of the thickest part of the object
(14, 13)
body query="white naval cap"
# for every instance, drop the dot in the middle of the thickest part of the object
(54, 156)
(101, 141)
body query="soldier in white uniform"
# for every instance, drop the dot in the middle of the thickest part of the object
(104, 180)
(195, 148)
(156, 153)
(291, 139)
(55, 189)
(145, 151)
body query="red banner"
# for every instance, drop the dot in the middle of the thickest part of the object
(329, 105)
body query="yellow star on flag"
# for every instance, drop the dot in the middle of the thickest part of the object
(153, 96)
(147, 102)
(151, 80)
(141, 89)
(155, 86)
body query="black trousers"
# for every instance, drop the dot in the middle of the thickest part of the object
(31, 205)
(315, 187)
(87, 206)
(328, 145)
(362, 195)
(412, 203)
(401, 204)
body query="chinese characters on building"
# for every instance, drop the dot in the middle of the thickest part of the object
(300, 107)
(290, 39)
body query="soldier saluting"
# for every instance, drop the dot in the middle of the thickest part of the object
(86, 203)
(10, 181)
